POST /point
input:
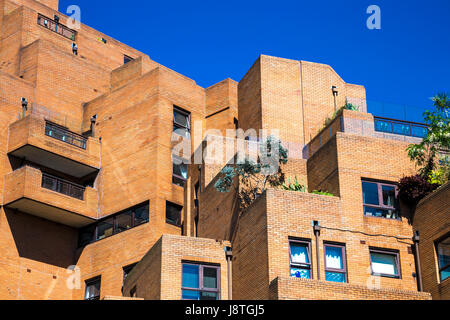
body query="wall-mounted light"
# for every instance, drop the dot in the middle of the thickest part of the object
(24, 106)
(56, 18)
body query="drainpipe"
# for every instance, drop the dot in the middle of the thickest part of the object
(229, 256)
(93, 121)
(316, 227)
(416, 239)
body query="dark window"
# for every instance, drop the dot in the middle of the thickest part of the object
(127, 59)
(380, 199)
(335, 263)
(92, 289)
(62, 186)
(114, 224)
(300, 258)
(127, 270)
(200, 282)
(182, 122)
(443, 251)
(179, 171)
(173, 213)
(385, 263)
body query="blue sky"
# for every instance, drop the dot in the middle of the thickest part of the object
(406, 62)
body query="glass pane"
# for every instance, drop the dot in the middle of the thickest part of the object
(181, 119)
(105, 229)
(300, 273)
(92, 289)
(334, 257)
(210, 278)
(178, 181)
(141, 215)
(335, 277)
(190, 276)
(180, 170)
(445, 274)
(444, 253)
(383, 126)
(388, 196)
(124, 221)
(419, 132)
(370, 193)
(190, 295)
(182, 131)
(173, 213)
(299, 253)
(209, 296)
(383, 263)
(377, 212)
(401, 128)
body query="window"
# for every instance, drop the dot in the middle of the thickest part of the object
(182, 122)
(114, 224)
(300, 259)
(335, 264)
(173, 213)
(385, 263)
(127, 270)
(92, 289)
(127, 59)
(380, 200)
(179, 171)
(443, 251)
(200, 282)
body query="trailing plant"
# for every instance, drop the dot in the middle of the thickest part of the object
(415, 188)
(294, 186)
(347, 106)
(255, 176)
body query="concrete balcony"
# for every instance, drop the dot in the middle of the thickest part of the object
(52, 146)
(29, 191)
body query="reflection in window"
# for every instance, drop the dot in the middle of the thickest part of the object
(173, 213)
(443, 250)
(200, 282)
(180, 171)
(182, 122)
(385, 263)
(380, 200)
(92, 291)
(335, 264)
(300, 259)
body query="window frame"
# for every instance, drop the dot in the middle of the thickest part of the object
(381, 204)
(391, 252)
(181, 213)
(176, 176)
(201, 287)
(90, 282)
(440, 269)
(306, 266)
(177, 125)
(344, 270)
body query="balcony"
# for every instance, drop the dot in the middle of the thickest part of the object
(56, 27)
(405, 128)
(29, 190)
(53, 146)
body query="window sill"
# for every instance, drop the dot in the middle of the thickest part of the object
(386, 276)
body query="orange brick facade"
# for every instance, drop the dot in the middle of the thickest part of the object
(117, 147)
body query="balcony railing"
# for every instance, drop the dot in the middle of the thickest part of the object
(56, 27)
(62, 134)
(405, 128)
(62, 186)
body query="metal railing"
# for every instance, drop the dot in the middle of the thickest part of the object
(405, 128)
(62, 186)
(56, 27)
(60, 133)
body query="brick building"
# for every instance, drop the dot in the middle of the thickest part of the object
(96, 205)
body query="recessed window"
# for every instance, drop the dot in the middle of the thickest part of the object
(127, 59)
(173, 213)
(300, 259)
(114, 224)
(92, 291)
(443, 251)
(127, 270)
(335, 264)
(182, 122)
(380, 199)
(385, 263)
(200, 282)
(179, 171)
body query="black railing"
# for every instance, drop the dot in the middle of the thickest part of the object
(405, 128)
(56, 27)
(62, 186)
(62, 134)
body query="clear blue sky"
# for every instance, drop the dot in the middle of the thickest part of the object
(406, 62)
